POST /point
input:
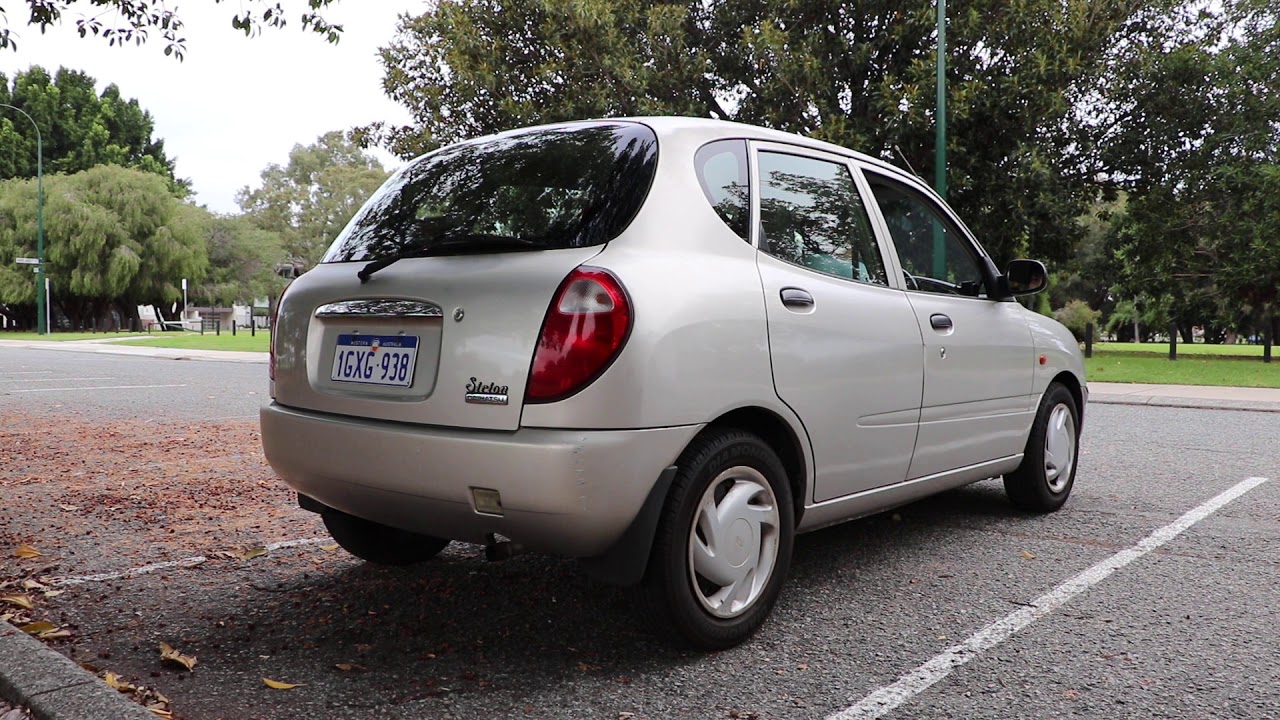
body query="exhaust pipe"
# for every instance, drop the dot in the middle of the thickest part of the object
(496, 550)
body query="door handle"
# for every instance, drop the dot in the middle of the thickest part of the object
(940, 321)
(796, 298)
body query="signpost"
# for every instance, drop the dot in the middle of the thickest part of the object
(45, 308)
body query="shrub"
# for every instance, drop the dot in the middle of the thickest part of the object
(1075, 315)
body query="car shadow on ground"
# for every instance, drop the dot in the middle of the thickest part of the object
(459, 624)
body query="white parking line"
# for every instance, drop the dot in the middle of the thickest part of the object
(96, 387)
(917, 681)
(185, 562)
(57, 379)
(29, 372)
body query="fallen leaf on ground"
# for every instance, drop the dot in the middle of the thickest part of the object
(1028, 555)
(53, 593)
(21, 601)
(35, 628)
(245, 553)
(159, 711)
(69, 508)
(114, 681)
(329, 548)
(168, 653)
(347, 667)
(276, 684)
(33, 585)
(26, 552)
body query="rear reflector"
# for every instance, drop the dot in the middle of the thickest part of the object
(583, 331)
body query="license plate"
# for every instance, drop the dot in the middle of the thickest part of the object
(375, 359)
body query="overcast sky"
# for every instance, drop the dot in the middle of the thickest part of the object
(235, 104)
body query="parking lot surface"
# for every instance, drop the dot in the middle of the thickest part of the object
(159, 522)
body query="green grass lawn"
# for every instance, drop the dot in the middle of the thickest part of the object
(1185, 349)
(1135, 367)
(59, 336)
(242, 341)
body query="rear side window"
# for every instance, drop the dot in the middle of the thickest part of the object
(722, 173)
(812, 215)
(544, 189)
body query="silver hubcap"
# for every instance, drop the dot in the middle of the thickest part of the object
(733, 544)
(1059, 448)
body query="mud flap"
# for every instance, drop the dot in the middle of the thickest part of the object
(626, 561)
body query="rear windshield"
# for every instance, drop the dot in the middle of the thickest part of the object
(546, 189)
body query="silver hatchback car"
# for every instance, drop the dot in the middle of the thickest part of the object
(663, 346)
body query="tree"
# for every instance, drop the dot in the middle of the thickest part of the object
(860, 75)
(134, 20)
(242, 259)
(1195, 137)
(308, 201)
(115, 238)
(79, 128)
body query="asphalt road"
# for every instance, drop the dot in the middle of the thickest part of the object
(1188, 629)
(134, 388)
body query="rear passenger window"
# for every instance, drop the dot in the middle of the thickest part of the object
(811, 215)
(722, 173)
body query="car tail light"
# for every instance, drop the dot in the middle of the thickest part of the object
(271, 326)
(584, 329)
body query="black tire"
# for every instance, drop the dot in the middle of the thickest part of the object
(1031, 486)
(672, 597)
(380, 544)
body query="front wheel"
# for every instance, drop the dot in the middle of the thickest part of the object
(380, 544)
(723, 545)
(1048, 471)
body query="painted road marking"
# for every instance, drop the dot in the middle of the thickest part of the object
(29, 372)
(183, 563)
(95, 387)
(57, 379)
(923, 677)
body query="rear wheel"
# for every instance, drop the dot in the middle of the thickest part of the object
(1048, 471)
(380, 544)
(723, 545)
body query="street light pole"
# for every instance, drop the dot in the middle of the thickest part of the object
(940, 156)
(940, 143)
(41, 323)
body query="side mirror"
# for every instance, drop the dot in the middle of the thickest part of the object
(1025, 277)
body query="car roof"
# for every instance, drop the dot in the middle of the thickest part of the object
(675, 124)
(670, 125)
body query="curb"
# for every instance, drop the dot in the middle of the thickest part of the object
(53, 687)
(1185, 403)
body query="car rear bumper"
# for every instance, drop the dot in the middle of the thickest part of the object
(564, 492)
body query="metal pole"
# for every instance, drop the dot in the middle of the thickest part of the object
(940, 154)
(940, 143)
(48, 305)
(41, 318)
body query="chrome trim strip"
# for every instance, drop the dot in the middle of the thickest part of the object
(379, 308)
